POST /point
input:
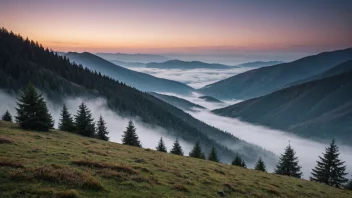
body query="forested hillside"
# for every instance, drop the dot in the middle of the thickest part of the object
(23, 61)
(262, 81)
(320, 109)
(141, 81)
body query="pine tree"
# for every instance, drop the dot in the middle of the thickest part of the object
(66, 120)
(177, 149)
(130, 137)
(7, 116)
(197, 151)
(213, 156)
(238, 161)
(161, 146)
(260, 166)
(102, 132)
(32, 112)
(84, 123)
(330, 169)
(288, 164)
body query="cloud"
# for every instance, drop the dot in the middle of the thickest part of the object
(195, 78)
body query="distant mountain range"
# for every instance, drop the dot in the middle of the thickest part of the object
(264, 80)
(259, 63)
(127, 64)
(318, 109)
(178, 64)
(210, 99)
(139, 58)
(141, 81)
(177, 102)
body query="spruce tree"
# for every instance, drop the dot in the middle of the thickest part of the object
(102, 132)
(161, 146)
(7, 116)
(288, 164)
(260, 166)
(213, 156)
(197, 151)
(32, 112)
(237, 161)
(66, 120)
(176, 148)
(84, 123)
(330, 169)
(130, 137)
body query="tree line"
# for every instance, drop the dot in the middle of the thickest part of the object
(33, 114)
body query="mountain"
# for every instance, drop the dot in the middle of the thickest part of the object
(177, 102)
(139, 80)
(140, 58)
(178, 64)
(264, 80)
(319, 109)
(210, 99)
(259, 63)
(61, 164)
(127, 64)
(339, 69)
(23, 61)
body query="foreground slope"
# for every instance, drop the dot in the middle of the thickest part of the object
(262, 81)
(320, 109)
(23, 61)
(141, 81)
(60, 164)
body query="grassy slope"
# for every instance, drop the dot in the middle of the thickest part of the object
(48, 169)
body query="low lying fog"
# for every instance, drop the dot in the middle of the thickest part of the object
(196, 78)
(149, 135)
(269, 139)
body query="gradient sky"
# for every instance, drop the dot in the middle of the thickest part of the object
(182, 26)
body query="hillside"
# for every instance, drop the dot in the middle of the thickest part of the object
(339, 69)
(178, 64)
(141, 81)
(262, 81)
(320, 109)
(127, 64)
(177, 102)
(23, 61)
(140, 58)
(210, 99)
(259, 64)
(60, 164)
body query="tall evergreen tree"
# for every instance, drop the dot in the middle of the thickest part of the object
(176, 148)
(84, 123)
(130, 136)
(161, 146)
(7, 116)
(260, 166)
(330, 169)
(213, 156)
(66, 120)
(102, 131)
(32, 112)
(197, 151)
(288, 164)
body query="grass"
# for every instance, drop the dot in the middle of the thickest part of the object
(60, 164)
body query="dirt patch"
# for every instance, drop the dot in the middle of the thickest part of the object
(5, 141)
(10, 163)
(180, 187)
(96, 164)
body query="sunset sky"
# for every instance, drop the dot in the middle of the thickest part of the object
(182, 26)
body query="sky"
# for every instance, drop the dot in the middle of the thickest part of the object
(200, 27)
